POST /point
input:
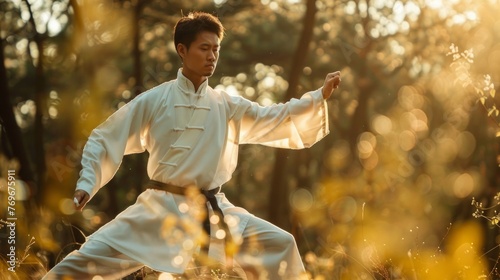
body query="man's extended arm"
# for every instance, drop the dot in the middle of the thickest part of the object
(296, 124)
(119, 135)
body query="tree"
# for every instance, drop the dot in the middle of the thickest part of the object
(279, 190)
(13, 134)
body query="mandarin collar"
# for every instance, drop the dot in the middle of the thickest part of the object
(187, 87)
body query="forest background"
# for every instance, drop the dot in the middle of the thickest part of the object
(404, 187)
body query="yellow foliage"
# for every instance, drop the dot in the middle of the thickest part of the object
(461, 260)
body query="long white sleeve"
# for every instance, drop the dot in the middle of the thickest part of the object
(296, 124)
(121, 134)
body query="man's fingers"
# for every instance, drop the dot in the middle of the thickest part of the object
(336, 81)
(80, 198)
(76, 201)
(332, 82)
(333, 74)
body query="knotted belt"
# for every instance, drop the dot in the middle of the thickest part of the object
(210, 197)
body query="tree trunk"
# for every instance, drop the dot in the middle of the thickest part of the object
(279, 208)
(136, 51)
(8, 121)
(139, 169)
(14, 149)
(40, 105)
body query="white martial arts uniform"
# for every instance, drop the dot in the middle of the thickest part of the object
(192, 138)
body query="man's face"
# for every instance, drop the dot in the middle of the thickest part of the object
(200, 60)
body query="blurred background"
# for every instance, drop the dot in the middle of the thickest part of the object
(404, 187)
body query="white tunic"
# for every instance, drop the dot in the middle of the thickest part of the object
(192, 138)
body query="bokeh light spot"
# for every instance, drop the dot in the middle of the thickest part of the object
(165, 276)
(88, 213)
(220, 234)
(183, 207)
(407, 140)
(302, 200)
(463, 186)
(188, 244)
(66, 206)
(382, 124)
(343, 209)
(177, 261)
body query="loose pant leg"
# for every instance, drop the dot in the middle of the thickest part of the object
(94, 258)
(270, 250)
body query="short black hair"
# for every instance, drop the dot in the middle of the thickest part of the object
(189, 26)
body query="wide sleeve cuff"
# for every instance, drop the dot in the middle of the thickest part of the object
(310, 118)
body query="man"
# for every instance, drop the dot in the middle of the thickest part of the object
(192, 133)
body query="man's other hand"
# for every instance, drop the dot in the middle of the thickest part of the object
(80, 199)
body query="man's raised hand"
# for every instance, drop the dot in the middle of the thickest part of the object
(332, 81)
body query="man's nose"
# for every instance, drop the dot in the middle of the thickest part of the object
(212, 56)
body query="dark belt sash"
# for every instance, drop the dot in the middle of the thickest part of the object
(210, 197)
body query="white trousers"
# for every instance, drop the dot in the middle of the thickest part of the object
(261, 239)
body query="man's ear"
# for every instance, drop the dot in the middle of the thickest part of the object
(181, 50)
